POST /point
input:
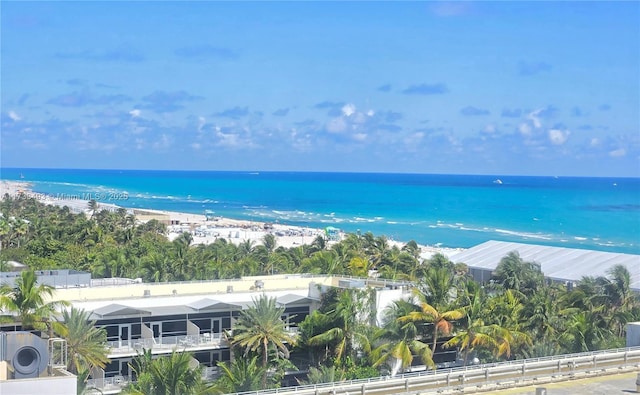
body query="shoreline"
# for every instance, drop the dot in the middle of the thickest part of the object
(206, 231)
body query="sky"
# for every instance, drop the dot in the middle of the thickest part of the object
(521, 88)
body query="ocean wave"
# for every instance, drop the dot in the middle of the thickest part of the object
(525, 234)
(69, 184)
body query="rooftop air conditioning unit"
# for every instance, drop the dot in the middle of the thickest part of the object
(25, 352)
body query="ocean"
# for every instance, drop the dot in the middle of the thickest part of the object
(443, 210)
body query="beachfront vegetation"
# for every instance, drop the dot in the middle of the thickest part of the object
(518, 314)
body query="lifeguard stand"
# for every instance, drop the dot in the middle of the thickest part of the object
(333, 234)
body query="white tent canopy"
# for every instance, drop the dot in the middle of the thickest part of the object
(558, 263)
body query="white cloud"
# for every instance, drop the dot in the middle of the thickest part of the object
(14, 116)
(135, 113)
(491, 128)
(360, 136)
(228, 139)
(371, 113)
(620, 152)
(414, 139)
(196, 146)
(163, 143)
(336, 125)
(348, 109)
(534, 117)
(595, 142)
(525, 129)
(360, 118)
(558, 137)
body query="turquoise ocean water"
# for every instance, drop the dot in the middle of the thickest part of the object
(447, 210)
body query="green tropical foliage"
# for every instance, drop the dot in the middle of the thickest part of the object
(347, 334)
(86, 344)
(517, 315)
(26, 303)
(261, 330)
(399, 340)
(167, 375)
(241, 375)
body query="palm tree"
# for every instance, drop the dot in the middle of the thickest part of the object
(441, 321)
(514, 273)
(86, 344)
(20, 229)
(478, 333)
(542, 310)
(260, 328)
(167, 376)
(27, 300)
(269, 242)
(437, 286)
(619, 298)
(348, 331)
(584, 332)
(241, 375)
(360, 266)
(156, 267)
(400, 340)
(5, 229)
(325, 262)
(323, 374)
(93, 207)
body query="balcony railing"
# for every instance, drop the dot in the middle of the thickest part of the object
(166, 344)
(112, 385)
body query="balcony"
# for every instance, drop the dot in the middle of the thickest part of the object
(166, 344)
(114, 385)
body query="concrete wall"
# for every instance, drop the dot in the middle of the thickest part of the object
(64, 383)
(385, 297)
(633, 334)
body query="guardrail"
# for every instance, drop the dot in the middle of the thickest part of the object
(482, 377)
(534, 371)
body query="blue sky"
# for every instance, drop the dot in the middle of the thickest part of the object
(531, 88)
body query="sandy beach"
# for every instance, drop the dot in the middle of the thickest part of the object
(206, 230)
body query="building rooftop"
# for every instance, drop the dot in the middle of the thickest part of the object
(558, 263)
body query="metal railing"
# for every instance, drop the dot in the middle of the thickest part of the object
(166, 344)
(482, 377)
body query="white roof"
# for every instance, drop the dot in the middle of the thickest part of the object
(558, 263)
(190, 303)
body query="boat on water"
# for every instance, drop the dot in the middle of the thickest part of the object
(497, 181)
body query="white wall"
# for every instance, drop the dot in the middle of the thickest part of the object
(60, 385)
(385, 297)
(633, 334)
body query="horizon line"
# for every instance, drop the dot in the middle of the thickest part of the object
(316, 172)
